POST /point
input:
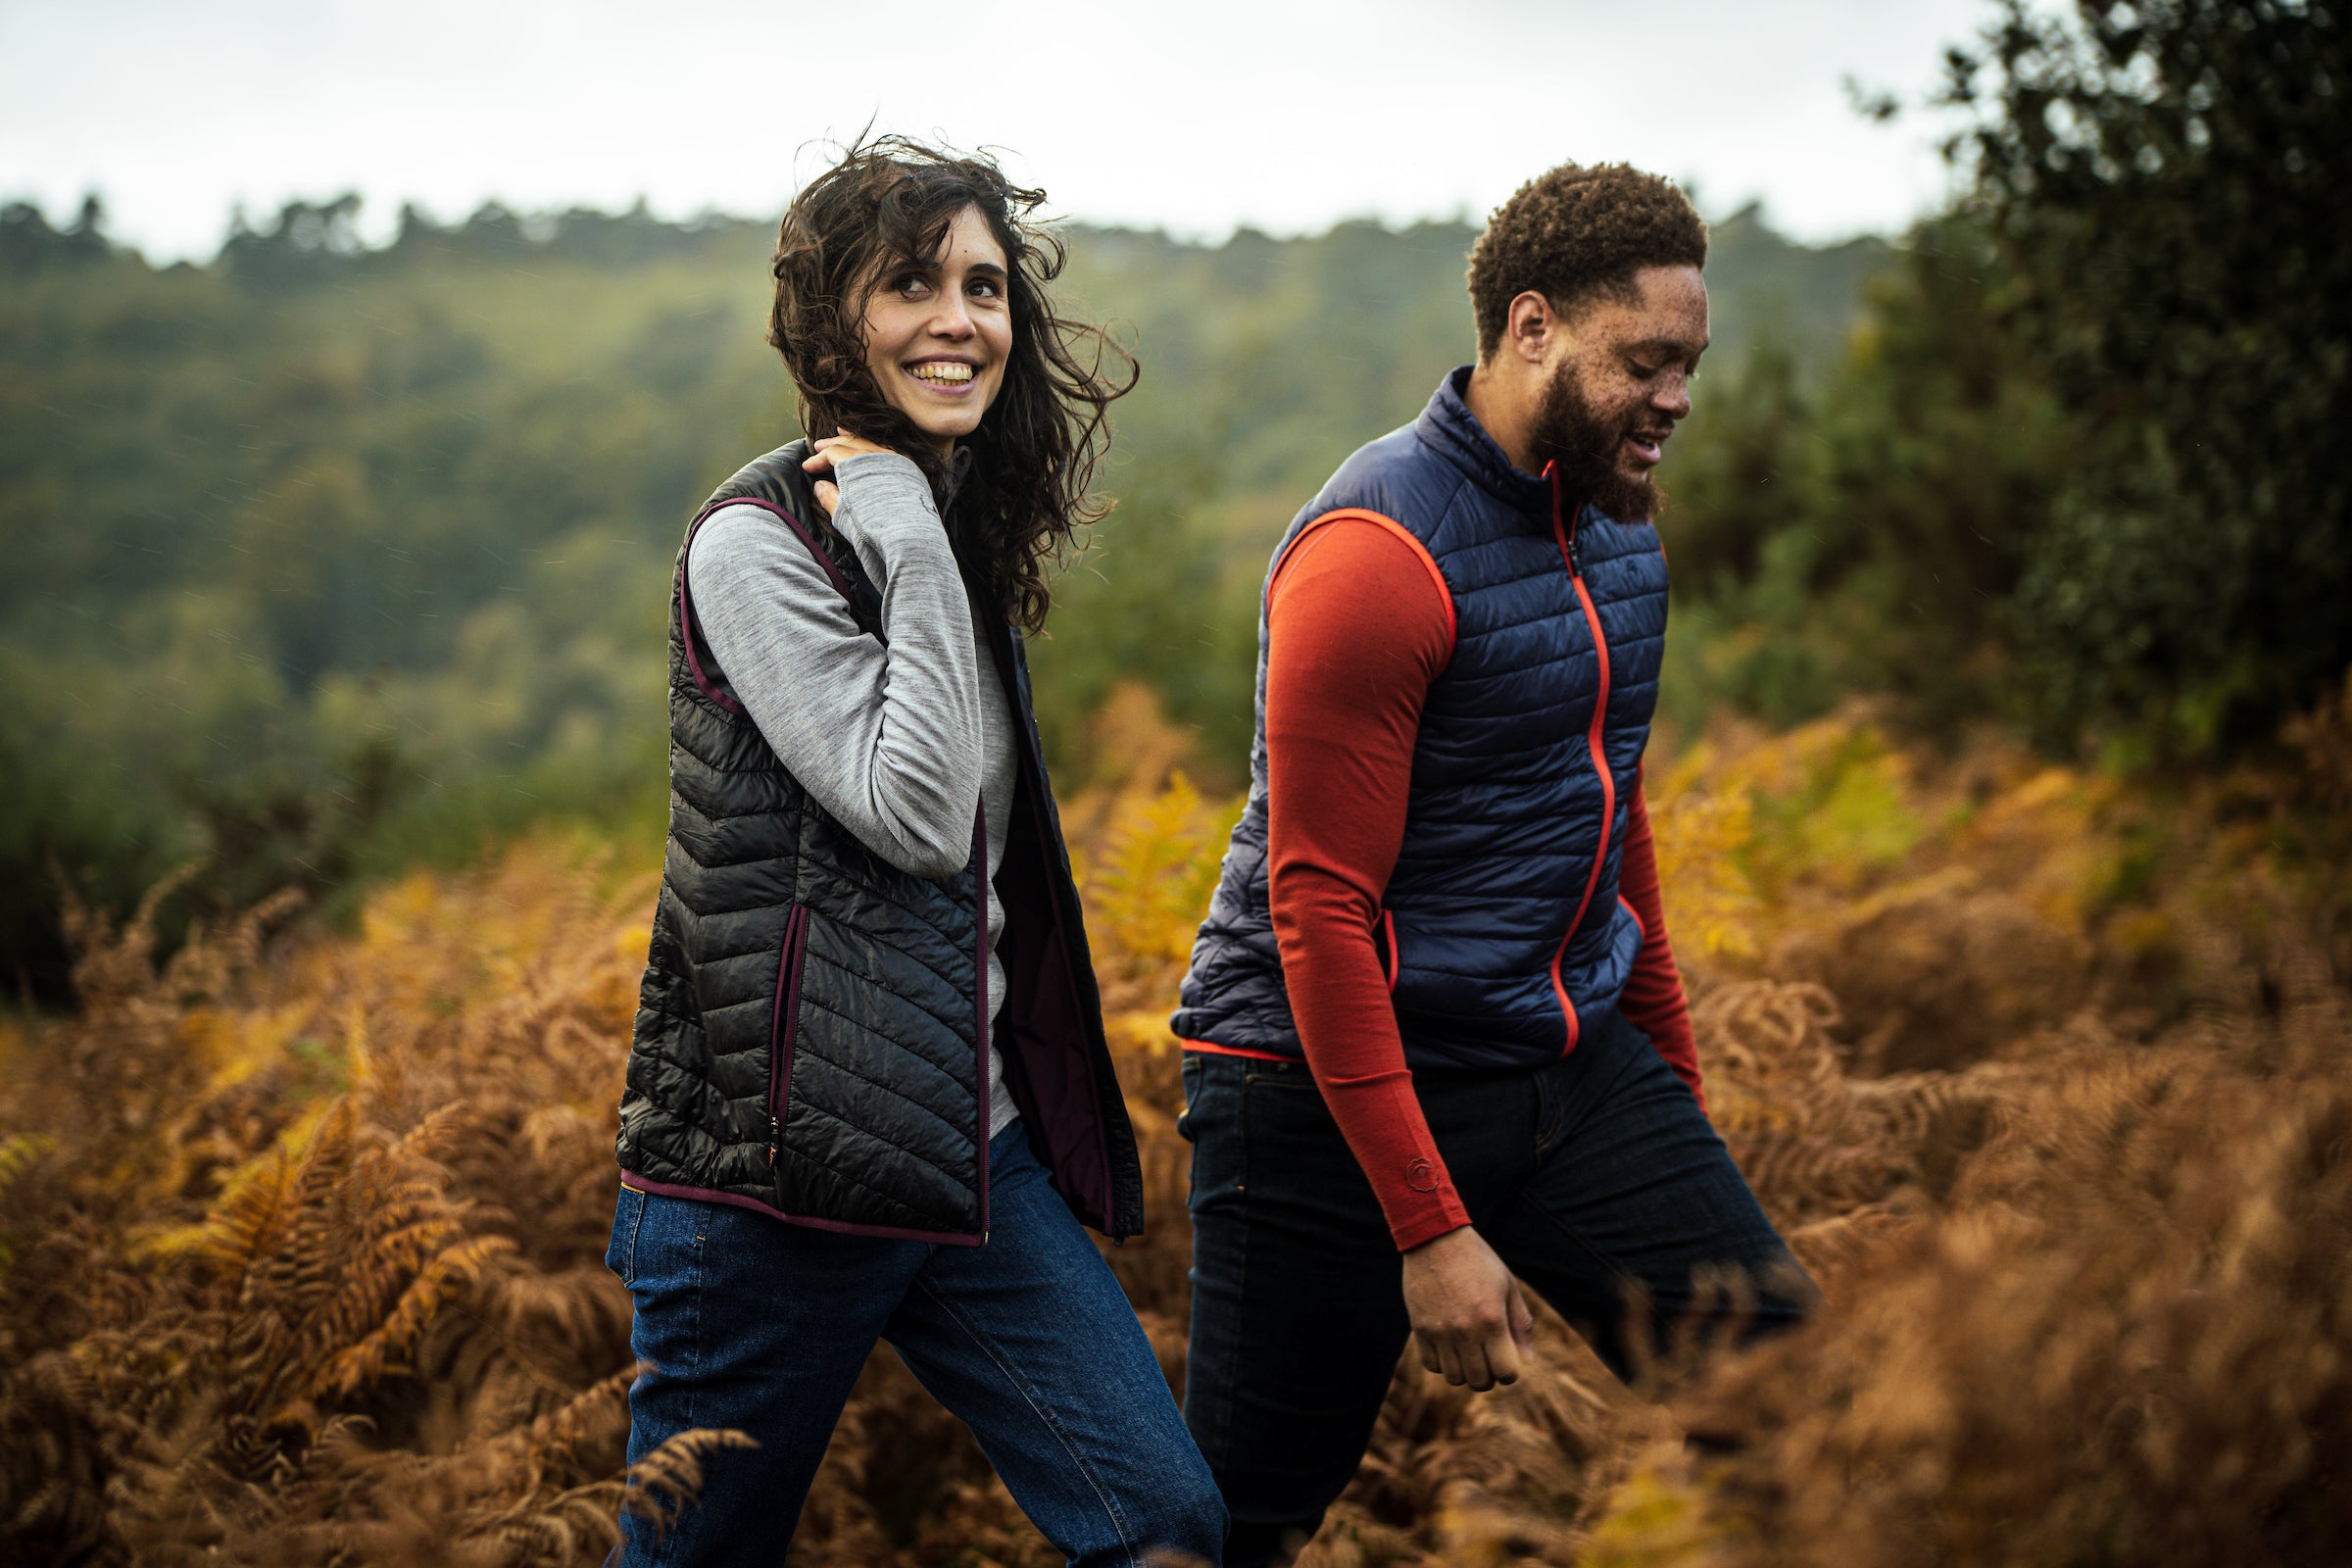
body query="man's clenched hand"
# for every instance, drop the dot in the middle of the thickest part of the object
(1469, 1319)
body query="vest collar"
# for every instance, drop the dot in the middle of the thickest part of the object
(1449, 427)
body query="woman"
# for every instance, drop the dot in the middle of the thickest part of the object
(869, 1096)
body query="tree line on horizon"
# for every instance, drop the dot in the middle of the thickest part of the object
(328, 559)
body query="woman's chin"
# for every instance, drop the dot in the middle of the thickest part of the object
(952, 426)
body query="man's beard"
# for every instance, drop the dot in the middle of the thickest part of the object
(1583, 445)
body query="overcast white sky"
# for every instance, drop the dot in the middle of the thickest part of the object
(1286, 113)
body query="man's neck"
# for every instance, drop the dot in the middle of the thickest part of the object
(1505, 412)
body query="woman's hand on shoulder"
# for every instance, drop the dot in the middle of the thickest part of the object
(829, 450)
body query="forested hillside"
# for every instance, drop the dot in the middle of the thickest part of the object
(324, 557)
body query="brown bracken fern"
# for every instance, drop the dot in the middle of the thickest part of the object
(2043, 1079)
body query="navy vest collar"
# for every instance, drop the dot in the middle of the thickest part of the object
(1449, 427)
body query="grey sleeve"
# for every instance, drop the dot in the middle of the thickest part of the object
(887, 737)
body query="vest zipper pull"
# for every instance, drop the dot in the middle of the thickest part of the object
(1576, 553)
(775, 1134)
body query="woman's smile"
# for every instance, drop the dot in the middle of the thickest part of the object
(944, 376)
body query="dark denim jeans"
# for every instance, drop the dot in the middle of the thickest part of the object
(759, 1325)
(1597, 1180)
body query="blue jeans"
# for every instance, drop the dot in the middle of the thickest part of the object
(1595, 1178)
(750, 1323)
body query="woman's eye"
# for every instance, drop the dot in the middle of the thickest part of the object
(987, 288)
(912, 283)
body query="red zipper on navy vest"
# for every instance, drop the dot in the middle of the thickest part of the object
(1573, 560)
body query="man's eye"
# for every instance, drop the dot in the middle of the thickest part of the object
(1642, 372)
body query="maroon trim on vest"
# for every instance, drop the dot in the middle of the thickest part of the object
(784, 1025)
(1050, 1065)
(685, 600)
(980, 1012)
(694, 661)
(707, 1194)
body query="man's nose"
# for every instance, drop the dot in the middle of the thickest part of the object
(1673, 397)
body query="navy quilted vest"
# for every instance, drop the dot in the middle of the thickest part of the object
(813, 1027)
(1501, 928)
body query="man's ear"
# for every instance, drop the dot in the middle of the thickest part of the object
(1529, 330)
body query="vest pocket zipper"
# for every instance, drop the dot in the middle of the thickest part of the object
(785, 1023)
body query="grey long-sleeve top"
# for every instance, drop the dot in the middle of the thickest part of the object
(899, 741)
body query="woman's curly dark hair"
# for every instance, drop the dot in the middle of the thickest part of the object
(1575, 233)
(889, 202)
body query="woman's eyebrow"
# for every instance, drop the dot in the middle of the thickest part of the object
(988, 268)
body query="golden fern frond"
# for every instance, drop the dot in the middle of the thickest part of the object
(566, 1445)
(1151, 880)
(379, 1353)
(115, 966)
(665, 1481)
(209, 965)
(246, 1226)
(18, 1151)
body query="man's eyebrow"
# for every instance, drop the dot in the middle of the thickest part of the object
(1672, 345)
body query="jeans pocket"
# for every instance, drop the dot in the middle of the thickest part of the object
(628, 1218)
(1212, 1122)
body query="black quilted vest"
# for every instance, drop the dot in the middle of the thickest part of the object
(811, 1035)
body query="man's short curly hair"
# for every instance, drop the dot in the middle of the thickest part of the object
(1575, 233)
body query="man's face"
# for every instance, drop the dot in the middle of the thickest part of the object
(1618, 382)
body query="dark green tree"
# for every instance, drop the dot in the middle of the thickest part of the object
(2166, 178)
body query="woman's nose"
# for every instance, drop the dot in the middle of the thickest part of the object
(952, 320)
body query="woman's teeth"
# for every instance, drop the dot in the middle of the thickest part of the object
(941, 372)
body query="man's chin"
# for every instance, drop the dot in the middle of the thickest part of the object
(1633, 496)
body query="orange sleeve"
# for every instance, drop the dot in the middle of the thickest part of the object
(1652, 1001)
(1358, 624)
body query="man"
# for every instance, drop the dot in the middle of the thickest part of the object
(1435, 1033)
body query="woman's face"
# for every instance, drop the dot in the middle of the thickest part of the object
(937, 338)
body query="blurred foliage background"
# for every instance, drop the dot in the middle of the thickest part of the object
(326, 561)
(331, 559)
